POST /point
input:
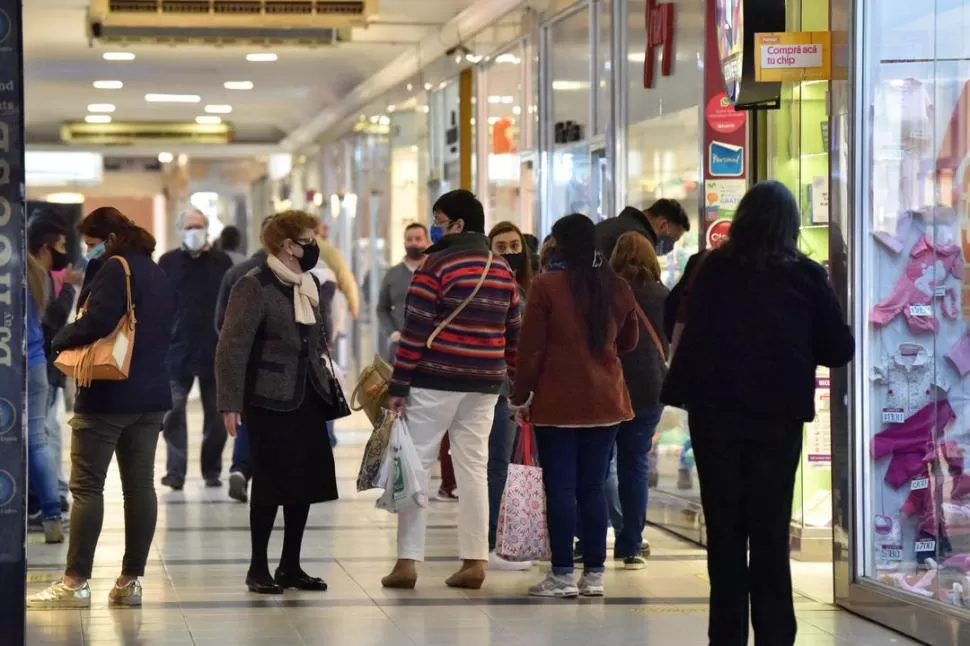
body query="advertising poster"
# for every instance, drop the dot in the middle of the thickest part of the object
(12, 360)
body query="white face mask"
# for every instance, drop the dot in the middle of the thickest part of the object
(193, 239)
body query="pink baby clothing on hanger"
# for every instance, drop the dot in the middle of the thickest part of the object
(927, 270)
(895, 242)
(909, 442)
(959, 354)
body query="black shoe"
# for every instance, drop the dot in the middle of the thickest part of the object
(299, 580)
(65, 505)
(213, 483)
(173, 482)
(237, 486)
(262, 584)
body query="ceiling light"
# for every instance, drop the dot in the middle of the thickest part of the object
(410, 86)
(507, 58)
(218, 109)
(427, 86)
(567, 86)
(97, 118)
(208, 120)
(108, 85)
(473, 58)
(101, 107)
(166, 158)
(261, 57)
(238, 85)
(391, 108)
(118, 56)
(65, 198)
(516, 109)
(173, 98)
(494, 99)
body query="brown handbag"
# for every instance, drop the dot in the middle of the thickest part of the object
(108, 358)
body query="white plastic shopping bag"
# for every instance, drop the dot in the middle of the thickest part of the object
(400, 474)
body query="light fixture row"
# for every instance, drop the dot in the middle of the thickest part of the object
(255, 57)
(173, 98)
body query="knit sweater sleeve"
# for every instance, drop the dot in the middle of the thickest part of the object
(420, 313)
(243, 318)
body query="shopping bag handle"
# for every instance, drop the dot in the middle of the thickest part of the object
(525, 452)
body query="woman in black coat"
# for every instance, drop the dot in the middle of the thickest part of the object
(760, 319)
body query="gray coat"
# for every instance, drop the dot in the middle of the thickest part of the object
(264, 356)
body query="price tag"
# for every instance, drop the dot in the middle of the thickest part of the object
(893, 415)
(920, 310)
(939, 292)
(926, 546)
(919, 483)
(891, 552)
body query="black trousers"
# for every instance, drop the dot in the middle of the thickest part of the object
(747, 472)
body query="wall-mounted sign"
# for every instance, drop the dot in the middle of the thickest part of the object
(660, 33)
(722, 197)
(736, 23)
(717, 233)
(726, 160)
(793, 56)
(721, 115)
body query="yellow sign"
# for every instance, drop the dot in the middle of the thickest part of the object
(793, 56)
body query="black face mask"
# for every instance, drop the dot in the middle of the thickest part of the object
(414, 253)
(59, 260)
(311, 254)
(515, 260)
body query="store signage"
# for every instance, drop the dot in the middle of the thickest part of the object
(660, 33)
(12, 315)
(722, 197)
(721, 115)
(717, 233)
(726, 160)
(793, 56)
(736, 22)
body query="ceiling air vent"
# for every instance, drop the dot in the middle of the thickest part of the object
(133, 133)
(228, 22)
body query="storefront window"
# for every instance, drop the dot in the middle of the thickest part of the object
(916, 296)
(504, 96)
(445, 171)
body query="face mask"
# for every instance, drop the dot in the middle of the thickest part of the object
(58, 260)
(437, 232)
(193, 239)
(515, 260)
(95, 252)
(664, 245)
(414, 253)
(311, 254)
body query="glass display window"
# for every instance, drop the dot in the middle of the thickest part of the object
(501, 95)
(914, 393)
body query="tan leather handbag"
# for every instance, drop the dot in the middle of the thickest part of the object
(108, 358)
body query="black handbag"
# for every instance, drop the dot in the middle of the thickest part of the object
(338, 408)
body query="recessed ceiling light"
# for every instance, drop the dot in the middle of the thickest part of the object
(97, 118)
(238, 85)
(118, 56)
(208, 120)
(166, 158)
(108, 85)
(218, 109)
(261, 57)
(173, 98)
(101, 107)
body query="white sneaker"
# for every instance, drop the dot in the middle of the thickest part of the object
(496, 562)
(555, 587)
(591, 585)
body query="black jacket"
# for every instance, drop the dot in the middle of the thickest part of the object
(56, 314)
(609, 230)
(231, 278)
(644, 368)
(678, 293)
(196, 281)
(754, 339)
(148, 388)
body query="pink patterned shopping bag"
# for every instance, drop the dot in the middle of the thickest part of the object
(522, 532)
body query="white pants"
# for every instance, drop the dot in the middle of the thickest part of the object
(467, 417)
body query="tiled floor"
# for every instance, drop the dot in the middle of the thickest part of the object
(195, 594)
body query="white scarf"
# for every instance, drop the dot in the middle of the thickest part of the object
(306, 297)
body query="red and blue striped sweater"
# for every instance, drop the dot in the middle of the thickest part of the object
(477, 351)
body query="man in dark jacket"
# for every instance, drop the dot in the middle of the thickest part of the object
(664, 223)
(195, 271)
(47, 243)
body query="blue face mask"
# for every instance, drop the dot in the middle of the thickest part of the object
(436, 232)
(95, 252)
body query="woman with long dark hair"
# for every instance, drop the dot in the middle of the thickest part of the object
(580, 317)
(760, 319)
(115, 417)
(507, 241)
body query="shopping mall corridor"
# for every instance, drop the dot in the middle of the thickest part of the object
(194, 592)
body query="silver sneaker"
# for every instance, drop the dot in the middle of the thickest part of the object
(555, 586)
(591, 585)
(125, 596)
(60, 596)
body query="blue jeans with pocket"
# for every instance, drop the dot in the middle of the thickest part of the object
(501, 443)
(634, 439)
(575, 462)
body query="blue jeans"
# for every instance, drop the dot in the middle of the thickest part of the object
(53, 427)
(501, 442)
(633, 443)
(331, 434)
(612, 504)
(40, 463)
(575, 462)
(241, 458)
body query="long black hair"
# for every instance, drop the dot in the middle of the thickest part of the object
(766, 226)
(591, 281)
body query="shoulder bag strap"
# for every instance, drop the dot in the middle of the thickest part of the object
(653, 332)
(127, 268)
(451, 317)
